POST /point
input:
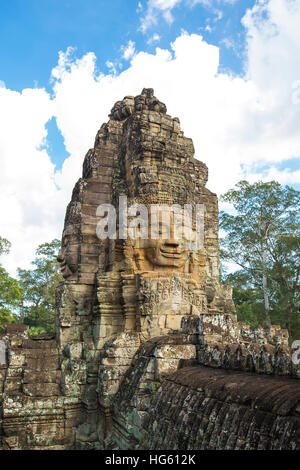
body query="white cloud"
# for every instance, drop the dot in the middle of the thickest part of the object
(210, 3)
(286, 176)
(29, 203)
(111, 67)
(155, 8)
(154, 38)
(228, 43)
(273, 43)
(238, 124)
(219, 15)
(236, 47)
(163, 4)
(241, 120)
(128, 50)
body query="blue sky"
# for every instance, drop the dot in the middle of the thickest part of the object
(33, 31)
(226, 68)
(36, 30)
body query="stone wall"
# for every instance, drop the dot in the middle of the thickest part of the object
(34, 412)
(204, 408)
(166, 400)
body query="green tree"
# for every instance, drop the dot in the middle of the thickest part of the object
(247, 299)
(4, 246)
(39, 286)
(10, 292)
(262, 237)
(284, 283)
(10, 296)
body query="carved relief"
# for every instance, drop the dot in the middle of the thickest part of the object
(130, 310)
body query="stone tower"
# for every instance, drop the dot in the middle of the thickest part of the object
(147, 342)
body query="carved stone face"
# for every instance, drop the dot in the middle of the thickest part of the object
(167, 250)
(68, 256)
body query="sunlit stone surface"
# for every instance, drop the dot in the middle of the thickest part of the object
(147, 343)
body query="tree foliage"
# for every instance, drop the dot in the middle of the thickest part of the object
(10, 292)
(4, 246)
(263, 238)
(38, 286)
(10, 296)
(248, 300)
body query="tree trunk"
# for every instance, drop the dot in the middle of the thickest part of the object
(267, 303)
(266, 295)
(22, 311)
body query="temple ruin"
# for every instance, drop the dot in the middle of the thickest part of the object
(147, 351)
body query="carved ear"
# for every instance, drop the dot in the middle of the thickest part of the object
(128, 251)
(139, 257)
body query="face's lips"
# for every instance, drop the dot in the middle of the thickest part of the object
(173, 256)
(172, 252)
(63, 265)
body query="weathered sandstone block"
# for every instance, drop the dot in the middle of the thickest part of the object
(147, 351)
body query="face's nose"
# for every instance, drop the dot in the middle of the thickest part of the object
(60, 257)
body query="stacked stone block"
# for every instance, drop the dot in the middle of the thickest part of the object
(147, 351)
